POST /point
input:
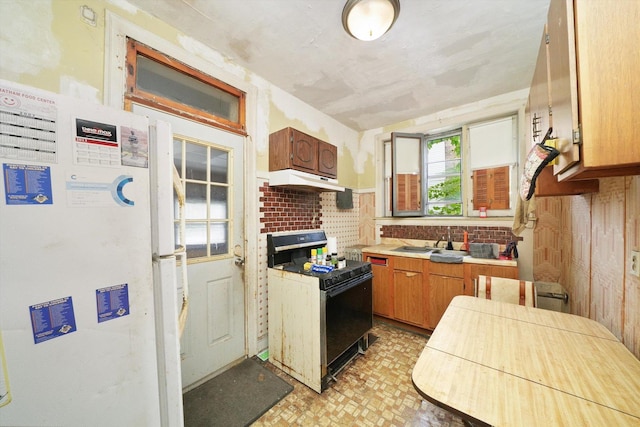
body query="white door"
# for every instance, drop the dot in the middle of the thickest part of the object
(211, 162)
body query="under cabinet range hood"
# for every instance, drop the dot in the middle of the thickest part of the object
(303, 180)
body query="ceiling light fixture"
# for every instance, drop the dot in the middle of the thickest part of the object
(369, 19)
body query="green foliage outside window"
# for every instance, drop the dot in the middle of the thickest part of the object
(445, 198)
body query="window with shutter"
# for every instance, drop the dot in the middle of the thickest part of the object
(447, 183)
(491, 188)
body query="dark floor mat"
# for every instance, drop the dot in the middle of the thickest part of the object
(236, 397)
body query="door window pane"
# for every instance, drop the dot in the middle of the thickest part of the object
(204, 172)
(196, 201)
(219, 202)
(196, 167)
(219, 166)
(219, 238)
(196, 239)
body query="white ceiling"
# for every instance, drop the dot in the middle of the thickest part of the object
(439, 54)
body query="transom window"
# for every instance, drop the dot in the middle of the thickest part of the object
(158, 81)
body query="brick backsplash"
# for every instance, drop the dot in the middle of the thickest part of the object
(477, 234)
(286, 209)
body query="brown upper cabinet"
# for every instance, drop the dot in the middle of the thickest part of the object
(291, 149)
(538, 113)
(593, 80)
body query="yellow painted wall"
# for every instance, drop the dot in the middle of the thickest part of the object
(49, 45)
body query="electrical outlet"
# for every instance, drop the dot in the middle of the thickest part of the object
(635, 263)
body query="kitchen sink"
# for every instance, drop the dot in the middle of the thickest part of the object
(449, 252)
(415, 249)
(429, 249)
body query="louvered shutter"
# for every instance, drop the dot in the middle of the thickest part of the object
(491, 188)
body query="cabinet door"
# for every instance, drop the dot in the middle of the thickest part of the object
(304, 151)
(539, 121)
(327, 159)
(563, 80)
(442, 290)
(382, 292)
(539, 97)
(408, 297)
(608, 66)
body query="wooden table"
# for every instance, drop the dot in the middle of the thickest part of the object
(507, 365)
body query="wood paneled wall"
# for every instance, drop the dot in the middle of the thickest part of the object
(584, 243)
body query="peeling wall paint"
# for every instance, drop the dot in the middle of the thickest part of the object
(28, 47)
(287, 110)
(48, 44)
(457, 116)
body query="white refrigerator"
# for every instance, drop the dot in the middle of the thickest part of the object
(88, 285)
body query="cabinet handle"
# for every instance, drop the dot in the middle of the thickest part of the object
(407, 274)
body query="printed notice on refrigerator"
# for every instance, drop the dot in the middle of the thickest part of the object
(96, 143)
(27, 184)
(52, 319)
(28, 126)
(112, 302)
(99, 189)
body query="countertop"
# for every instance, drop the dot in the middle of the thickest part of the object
(388, 249)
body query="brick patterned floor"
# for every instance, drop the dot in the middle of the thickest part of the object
(375, 389)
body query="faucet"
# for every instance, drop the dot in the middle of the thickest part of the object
(449, 244)
(438, 242)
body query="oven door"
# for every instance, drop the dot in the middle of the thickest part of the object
(348, 314)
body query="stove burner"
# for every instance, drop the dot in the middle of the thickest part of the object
(290, 250)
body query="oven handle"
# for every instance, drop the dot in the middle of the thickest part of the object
(348, 284)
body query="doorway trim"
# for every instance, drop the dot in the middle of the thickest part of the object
(117, 29)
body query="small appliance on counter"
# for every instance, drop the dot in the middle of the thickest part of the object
(354, 252)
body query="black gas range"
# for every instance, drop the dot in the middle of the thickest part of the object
(318, 322)
(291, 250)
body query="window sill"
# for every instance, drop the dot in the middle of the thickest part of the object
(491, 221)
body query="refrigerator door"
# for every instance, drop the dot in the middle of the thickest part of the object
(161, 175)
(76, 282)
(168, 341)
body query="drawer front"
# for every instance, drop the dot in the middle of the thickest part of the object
(443, 269)
(408, 264)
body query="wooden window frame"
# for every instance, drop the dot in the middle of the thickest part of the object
(135, 95)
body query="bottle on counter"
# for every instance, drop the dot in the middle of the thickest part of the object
(342, 262)
(334, 260)
(319, 257)
(314, 256)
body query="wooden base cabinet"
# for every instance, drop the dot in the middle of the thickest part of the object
(442, 290)
(445, 282)
(409, 291)
(416, 291)
(382, 269)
